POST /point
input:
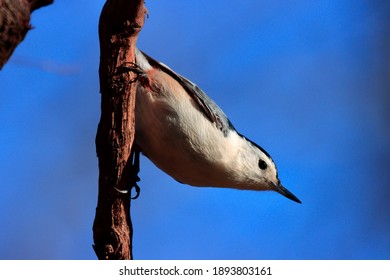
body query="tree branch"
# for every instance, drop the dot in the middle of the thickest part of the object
(15, 23)
(120, 23)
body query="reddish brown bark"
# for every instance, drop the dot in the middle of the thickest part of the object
(14, 24)
(120, 23)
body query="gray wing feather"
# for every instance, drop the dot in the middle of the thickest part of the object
(208, 106)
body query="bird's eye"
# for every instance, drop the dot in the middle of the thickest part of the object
(262, 164)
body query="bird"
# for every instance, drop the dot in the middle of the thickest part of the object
(188, 136)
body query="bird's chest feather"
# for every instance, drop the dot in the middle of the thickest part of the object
(176, 136)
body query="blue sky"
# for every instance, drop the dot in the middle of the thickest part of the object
(306, 80)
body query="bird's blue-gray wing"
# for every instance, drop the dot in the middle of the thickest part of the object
(208, 106)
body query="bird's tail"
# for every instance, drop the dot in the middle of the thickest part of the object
(142, 61)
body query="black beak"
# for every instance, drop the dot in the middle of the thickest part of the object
(283, 191)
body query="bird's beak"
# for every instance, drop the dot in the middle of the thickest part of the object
(283, 191)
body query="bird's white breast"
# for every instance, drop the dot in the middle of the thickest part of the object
(174, 134)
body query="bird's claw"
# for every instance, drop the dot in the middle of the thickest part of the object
(133, 174)
(137, 191)
(130, 67)
(135, 186)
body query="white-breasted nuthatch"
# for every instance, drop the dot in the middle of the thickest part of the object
(184, 133)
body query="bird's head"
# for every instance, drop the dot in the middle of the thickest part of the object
(260, 170)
